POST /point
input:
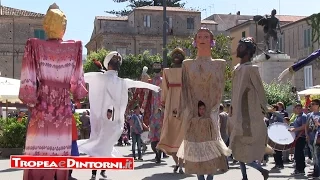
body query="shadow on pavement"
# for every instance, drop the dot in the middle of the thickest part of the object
(167, 176)
(9, 170)
(146, 153)
(149, 165)
(288, 176)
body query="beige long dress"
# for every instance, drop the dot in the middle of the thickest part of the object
(171, 134)
(202, 148)
(249, 133)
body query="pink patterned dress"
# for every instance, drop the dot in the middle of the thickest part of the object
(50, 70)
(156, 117)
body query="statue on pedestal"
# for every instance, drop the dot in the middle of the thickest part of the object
(270, 25)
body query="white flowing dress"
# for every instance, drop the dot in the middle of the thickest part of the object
(107, 91)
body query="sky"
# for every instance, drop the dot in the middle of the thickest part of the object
(81, 13)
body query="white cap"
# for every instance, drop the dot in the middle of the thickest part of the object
(109, 56)
(145, 70)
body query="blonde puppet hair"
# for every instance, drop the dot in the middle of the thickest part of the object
(55, 22)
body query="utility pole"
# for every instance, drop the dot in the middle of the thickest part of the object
(279, 8)
(164, 35)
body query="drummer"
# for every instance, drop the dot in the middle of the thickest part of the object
(299, 129)
(277, 117)
(137, 127)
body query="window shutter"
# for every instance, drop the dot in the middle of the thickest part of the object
(309, 37)
(305, 38)
(42, 34)
(36, 33)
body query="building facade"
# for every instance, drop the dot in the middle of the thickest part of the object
(297, 42)
(16, 27)
(142, 29)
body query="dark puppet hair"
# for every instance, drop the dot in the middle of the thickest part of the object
(136, 107)
(250, 44)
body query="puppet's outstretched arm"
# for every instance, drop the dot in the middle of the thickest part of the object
(139, 84)
(300, 64)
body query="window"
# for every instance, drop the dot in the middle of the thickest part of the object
(243, 34)
(307, 38)
(147, 21)
(40, 34)
(190, 23)
(308, 79)
(169, 25)
(122, 51)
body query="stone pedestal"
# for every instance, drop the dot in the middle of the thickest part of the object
(270, 69)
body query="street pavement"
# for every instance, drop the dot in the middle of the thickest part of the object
(148, 170)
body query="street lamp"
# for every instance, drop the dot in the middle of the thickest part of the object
(164, 35)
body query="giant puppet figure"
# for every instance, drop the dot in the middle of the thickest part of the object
(248, 139)
(203, 82)
(171, 133)
(107, 91)
(50, 70)
(156, 117)
(298, 65)
(143, 96)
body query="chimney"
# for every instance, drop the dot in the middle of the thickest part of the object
(238, 13)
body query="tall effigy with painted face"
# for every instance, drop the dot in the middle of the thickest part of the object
(203, 82)
(143, 97)
(50, 70)
(171, 133)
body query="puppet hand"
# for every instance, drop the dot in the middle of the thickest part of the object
(78, 104)
(158, 89)
(284, 75)
(31, 105)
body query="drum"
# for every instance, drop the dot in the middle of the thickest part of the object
(279, 137)
(145, 137)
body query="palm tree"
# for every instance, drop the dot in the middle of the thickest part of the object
(140, 3)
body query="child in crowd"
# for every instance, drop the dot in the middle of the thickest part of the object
(137, 127)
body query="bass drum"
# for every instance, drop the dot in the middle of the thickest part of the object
(145, 137)
(280, 138)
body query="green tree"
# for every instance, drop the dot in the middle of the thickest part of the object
(276, 92)
(89, 66)
(140, 3)
(220, 51)
(131, 65)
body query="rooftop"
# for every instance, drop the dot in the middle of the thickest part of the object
(227, 21)
(112, 18)
(8, 11)
(160, 8)
(208, 22)
(284, 20)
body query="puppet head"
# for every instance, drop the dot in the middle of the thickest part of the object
(55, 22)
(177, 56)
(204, 39)
(246, 47)
(113, 61)
(157, 67)
(144, 75)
